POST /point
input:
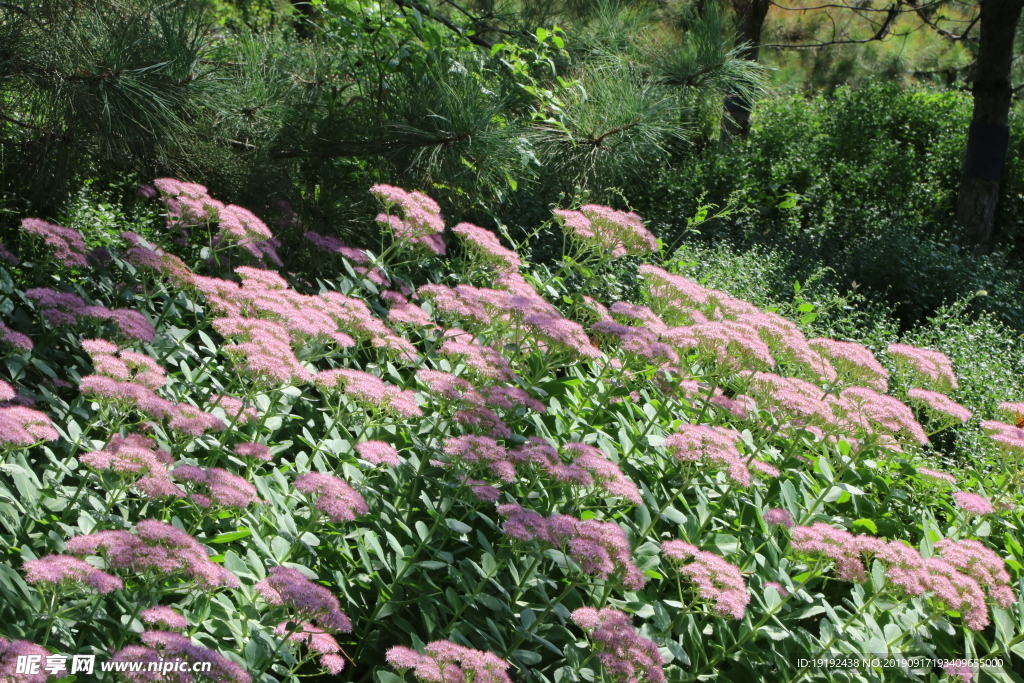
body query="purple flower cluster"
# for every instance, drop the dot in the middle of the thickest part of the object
(164, 617)
(717, 580)
(334, 245)
(134, 456)
(484, 361)
(10, 651)
(956, 580)
(445, 662)
(59, 570)
(65, 308)
(288, 587)
(189, 204)
(600, 548)
(67, 244)
(317, 640)
(222, 487)
(335, 498)
(155, 547)
(169, 646)
(627, 656)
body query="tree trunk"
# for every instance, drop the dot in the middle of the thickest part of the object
(989, 135)
(750, 16)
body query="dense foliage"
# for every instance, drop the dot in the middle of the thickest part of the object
(444, 462)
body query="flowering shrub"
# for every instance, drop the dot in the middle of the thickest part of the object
(459, 479)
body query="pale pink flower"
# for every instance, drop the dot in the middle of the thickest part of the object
(258, 451)
(973, 503)
(717, 580)
(936, 476)
(378, 453)
(164, 617)
(930, 366)
(485, 245)
(940, 403)
(855, 364)
(339, 501)
(779, 517)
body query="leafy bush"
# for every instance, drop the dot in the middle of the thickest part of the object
(403, 473)
(864, 183)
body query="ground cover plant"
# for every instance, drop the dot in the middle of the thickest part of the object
(445, 463)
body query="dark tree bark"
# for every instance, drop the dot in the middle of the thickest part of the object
(750, 16)
(989, 135)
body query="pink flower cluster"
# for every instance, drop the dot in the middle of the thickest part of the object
(717, 580)
(936, 476)
(165, 617)
(158, 547)
(484, 361)
(404, 313)
(169, 646)
(269, 318)
(932, 367)
(317, 640)
(855, 364)
(15, 340)
(973, 503)
(67, 244)
(606, 230)
(129, 380)
(445, 662)
(189, 204)
(288, 587)
(134, 456)
(627, 656)
(469, 403)
(6, 255)
(484, 245)
(59, 570)
(10, 651)
(369, 391)
(868, 410)
(940, 404)
(22, 427)
(421, 221)
(693, 442)
(378, 453)
(335, 498)
(151, 258)
(222, 487)
(257, 451)
(235, 410)
(483, 450)
(65, 308)
(600, 548)
(1005, 435)
(956, 579)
